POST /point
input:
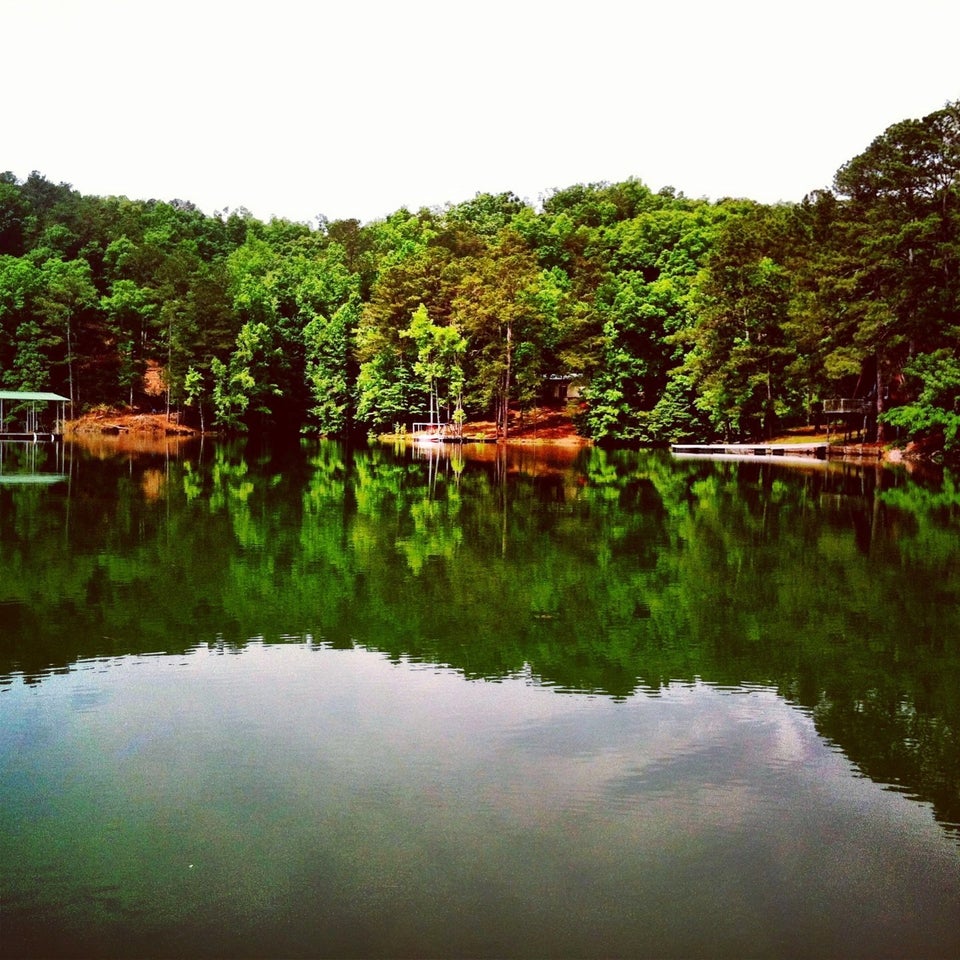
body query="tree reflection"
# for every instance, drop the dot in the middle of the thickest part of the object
(603, 572)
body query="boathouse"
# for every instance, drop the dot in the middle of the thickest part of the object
(25, 415)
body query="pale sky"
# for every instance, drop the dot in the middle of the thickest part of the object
(294, 108)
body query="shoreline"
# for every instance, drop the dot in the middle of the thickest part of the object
(559, 432)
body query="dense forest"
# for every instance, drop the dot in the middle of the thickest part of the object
(666, 317)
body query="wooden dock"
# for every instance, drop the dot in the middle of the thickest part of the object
(742, 450)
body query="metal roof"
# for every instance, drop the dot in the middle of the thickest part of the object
(7, 479)
(27, 395)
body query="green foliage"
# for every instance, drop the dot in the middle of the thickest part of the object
(741, 344)
(129, 314)
(439, 363)
(935, 413)
(242, 388)
(487, 214)
(387, 391)
(195, 388)
(14, 210)
(645, 305)
(903, 241)
(328, 367)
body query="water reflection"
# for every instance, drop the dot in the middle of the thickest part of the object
(609, 573)
(298, 800)
(28, 462)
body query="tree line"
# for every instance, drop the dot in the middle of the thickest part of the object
(677, 318)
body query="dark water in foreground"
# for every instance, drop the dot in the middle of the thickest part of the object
(325, 702)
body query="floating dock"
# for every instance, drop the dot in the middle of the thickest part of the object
(35, 436)
(741, 450)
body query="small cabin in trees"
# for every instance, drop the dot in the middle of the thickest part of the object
(560, 387)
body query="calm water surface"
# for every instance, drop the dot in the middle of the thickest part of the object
(333, 702)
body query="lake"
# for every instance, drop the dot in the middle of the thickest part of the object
(398, 701)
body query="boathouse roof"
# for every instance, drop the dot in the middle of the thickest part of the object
(28, 395)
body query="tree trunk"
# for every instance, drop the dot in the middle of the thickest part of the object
(169, 361)
(881, 432)
(506, 383)
(769, 414)
(70, 367)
